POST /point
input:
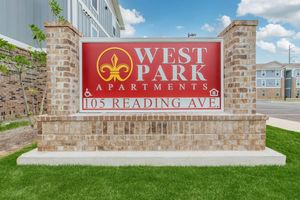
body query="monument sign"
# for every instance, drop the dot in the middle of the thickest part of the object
(151, 74)
(136, 90)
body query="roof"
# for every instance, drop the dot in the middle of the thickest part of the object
(277, 65)
(270, 65)
(116, 6)
(292, 65)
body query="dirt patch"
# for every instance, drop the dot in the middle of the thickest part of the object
(15, 139)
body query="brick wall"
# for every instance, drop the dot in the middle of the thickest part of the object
(269, 93)
(153, 132)
(11, 95)
(63, 68)
(239, 67)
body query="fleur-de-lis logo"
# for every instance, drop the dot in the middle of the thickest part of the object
(115, 70)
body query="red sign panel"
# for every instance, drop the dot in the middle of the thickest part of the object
(151, 75)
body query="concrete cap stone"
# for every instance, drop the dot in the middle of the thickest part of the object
(239, 23)
(56, 24)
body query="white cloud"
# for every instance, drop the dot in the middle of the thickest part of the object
(284, 44)
(131, 18)
(129, 31)
(267, 46)
(273, 30)
(208, 28)
(275, 11)
(297, 36)
(179, 27)
(224, 21)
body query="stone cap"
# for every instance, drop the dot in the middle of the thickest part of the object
(238, 23)
(55, 24)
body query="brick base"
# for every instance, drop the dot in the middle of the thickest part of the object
(151, 132)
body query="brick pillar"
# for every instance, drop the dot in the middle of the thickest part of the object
(239, 67)
(62, 68)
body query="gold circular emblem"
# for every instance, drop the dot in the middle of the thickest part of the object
(117, 69)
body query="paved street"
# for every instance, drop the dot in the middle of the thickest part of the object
(282, 110)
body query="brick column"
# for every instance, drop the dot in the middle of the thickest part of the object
(239, 67)
(62, 68)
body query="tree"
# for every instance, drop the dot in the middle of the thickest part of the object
(39, 56)
(56, 10)
(20, 66)
(37, 35)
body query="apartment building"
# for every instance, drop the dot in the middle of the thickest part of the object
(275, 80)
(93, 18)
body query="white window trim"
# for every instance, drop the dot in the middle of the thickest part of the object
(96, 10)
(265, 80)
(69, 10)
(258, 78)
(279, 83)
(295, 73)
(114, 26)
(279, 73)
(94, 27)
(261, 87)
(297, 86)
(75, 13)
(265, 83)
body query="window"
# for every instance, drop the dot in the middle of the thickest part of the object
(114, 25)
(263, 83)
(263, 73)
(114, 31)
(277, 83)
(94, 31)
(298, 83)
(95, 4)
(277, 73)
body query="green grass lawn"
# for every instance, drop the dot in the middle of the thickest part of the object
(13, 125)
(82, 182)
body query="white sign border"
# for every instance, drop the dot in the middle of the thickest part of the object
(138, 40)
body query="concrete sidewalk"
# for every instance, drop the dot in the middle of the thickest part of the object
(284, 124)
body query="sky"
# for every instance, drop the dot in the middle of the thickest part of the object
(279, 22)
